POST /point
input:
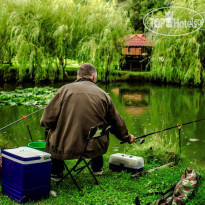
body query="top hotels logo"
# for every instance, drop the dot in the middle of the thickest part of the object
(174, 21)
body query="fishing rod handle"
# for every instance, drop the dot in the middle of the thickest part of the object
(127, 139)
(136, 138)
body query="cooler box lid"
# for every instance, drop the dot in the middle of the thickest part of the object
(26, 154)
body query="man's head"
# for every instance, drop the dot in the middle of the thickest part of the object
(87, 71)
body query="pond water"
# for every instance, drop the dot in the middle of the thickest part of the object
(145, 108)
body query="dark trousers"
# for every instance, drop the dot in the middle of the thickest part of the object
(58, 165)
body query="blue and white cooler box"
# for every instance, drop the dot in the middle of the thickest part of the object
(26, 174)
(130, 163)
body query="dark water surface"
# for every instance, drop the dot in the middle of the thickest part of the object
(145, 108)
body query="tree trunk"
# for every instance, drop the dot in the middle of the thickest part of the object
(10, 57)
(201, 77)
(63, 65)
(107, 76)
(2, 60)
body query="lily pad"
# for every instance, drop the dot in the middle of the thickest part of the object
(29, 96)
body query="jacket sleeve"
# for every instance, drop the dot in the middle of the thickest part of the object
(51, 113)
(118, 127)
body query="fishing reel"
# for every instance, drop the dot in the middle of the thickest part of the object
(141, 141)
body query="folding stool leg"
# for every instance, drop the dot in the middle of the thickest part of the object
(87, 165)
(69, 173)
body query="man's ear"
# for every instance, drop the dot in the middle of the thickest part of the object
(94, 78)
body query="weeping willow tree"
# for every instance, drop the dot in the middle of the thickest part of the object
(180, 59)
(40, 36)
(101, 44)
(22, 21)
(5, 27)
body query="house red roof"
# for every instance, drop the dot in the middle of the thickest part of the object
(137, 40)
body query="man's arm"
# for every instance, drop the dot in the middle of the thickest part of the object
(118, 126)
(51, 113)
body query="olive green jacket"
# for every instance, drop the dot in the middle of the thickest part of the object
(71, 113)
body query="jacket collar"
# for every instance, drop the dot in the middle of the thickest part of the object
(84, 79)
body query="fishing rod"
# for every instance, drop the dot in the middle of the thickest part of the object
(23, 118)
(169, 128)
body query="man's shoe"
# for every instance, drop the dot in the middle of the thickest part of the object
(56, 177)
(98, 173)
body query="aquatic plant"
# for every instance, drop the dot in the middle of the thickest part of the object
(29, 96)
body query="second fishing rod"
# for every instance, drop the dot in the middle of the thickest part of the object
(23, 118)
(169, 128)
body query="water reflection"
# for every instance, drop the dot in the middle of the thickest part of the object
(136, 101)
(116, 91)
(136, 111)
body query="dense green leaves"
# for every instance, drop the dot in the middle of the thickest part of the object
(28, 96)
(138, 9)
(40, 36)
(180, 59)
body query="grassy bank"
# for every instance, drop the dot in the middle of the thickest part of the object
(10, 74)
(119, 188)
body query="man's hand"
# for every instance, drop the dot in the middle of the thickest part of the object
(132, 139)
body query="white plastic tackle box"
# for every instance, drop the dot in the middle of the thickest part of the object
(130, 163)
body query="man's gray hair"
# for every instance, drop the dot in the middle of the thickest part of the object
(86, 70)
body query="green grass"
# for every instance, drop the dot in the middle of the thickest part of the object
(132, 75)
(10, 74)
(119, 187)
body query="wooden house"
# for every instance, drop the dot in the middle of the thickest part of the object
(137, 50)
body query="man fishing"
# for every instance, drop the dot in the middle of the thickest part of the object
(71, 113)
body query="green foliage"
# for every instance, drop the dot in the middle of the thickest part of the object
(5, 143)
(138, 9)
(157, 150)
(41, 35)
(180, 59)
(28, 96)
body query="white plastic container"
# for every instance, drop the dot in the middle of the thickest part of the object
(130, 163)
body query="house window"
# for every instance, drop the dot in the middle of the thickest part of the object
(130, 50)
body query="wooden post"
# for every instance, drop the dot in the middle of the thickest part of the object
(153, 170)
(130, 65)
